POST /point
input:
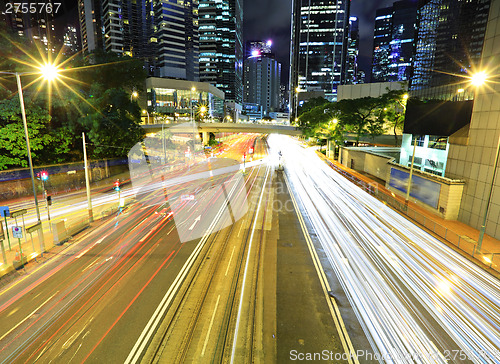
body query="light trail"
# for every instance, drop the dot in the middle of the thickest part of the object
(416, 299)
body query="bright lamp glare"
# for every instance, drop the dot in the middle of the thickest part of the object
(49, 72)
(478, 79)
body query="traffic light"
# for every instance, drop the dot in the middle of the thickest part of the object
(44, 175)
(49, 200)
(117, 185)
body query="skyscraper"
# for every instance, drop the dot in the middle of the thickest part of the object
(321, 34)
(176, 39)
(49, 29)
(221, 46)
(450, 41)
(351, 68)
(162, 33)
(393, 42)
(262, 74)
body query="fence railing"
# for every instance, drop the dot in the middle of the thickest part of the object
(462, 242)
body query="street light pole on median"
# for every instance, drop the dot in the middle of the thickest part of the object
(23, 113)
(87, 180)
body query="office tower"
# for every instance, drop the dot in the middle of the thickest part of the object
(393, 42)
(321, 34)
(450, 41)
(262, 76)
(47, 28)
(258, 47)
(221, 46)
(351, 68)
(89, 13)
(162, 33)
(382, 36)
(71, 40)
(176, 39)
(294, 58)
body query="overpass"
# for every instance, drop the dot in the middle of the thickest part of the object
(226, 128)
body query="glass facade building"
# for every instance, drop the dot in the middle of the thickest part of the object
(393, 42)
(177, 99)
(321, 38)
(221, 46)
(449, 45)
(161, 32)
(262, 76)
(352, 74)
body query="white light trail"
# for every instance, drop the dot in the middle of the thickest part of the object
(406, 287)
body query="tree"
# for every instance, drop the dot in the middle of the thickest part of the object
(112, 124)
(394, 102)
(359, 115)
(13, 152)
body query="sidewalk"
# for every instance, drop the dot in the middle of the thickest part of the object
(456, 233)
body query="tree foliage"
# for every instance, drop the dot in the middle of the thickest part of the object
(363, 116)
(93, 97)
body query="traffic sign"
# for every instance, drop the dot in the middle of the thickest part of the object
(17, 232)
(4, 211)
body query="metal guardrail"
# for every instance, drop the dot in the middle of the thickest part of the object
(462, 242)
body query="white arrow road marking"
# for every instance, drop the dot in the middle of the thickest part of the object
(195, 221)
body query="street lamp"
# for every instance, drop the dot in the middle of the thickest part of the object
(297, 90)
(203, 110)
(134, 95)
(477, 80)
(193, 89)
(49, 72)
(146, 112)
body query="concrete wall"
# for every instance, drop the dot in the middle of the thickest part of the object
(450, 196)
(367, 89)
(473, 162)
(370, 160)
(71, 177)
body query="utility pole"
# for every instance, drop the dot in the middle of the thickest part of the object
(87, 181)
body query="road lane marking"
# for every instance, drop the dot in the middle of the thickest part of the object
(238, 317)
(230, 259)
(210, 327)
(243, 223)
(27, 317)
(195, 222)
(332, 304)
(159, 313)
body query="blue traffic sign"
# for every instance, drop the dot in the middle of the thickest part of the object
(4, 211)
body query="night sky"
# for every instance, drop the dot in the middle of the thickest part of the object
(270, 19)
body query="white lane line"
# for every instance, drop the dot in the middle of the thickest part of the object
(230, 259)
(238, 318)
(332, 304)
(159, 313)
(210, 327)
(243, 223)
(90, 247)
(27, 317)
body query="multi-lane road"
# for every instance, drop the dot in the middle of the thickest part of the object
(216, 263)
(416, 299)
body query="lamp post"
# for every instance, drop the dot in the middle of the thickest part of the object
(134, 95)
(49, 72)
(146, 112)
(193, 89)
(297, 90)
(478, 80)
